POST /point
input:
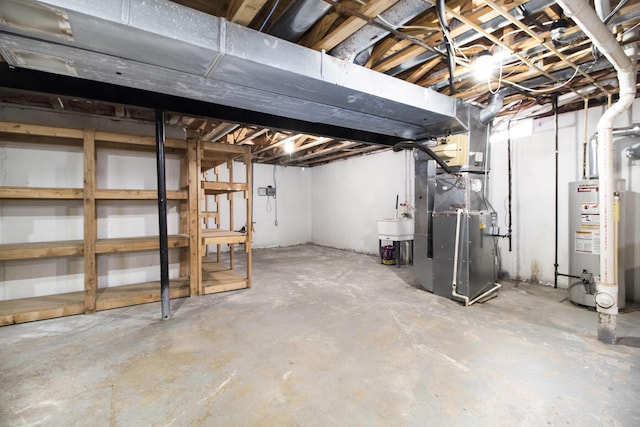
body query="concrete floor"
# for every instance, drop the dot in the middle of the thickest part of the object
(325, 337)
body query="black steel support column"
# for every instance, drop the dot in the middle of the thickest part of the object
(557, 154)
(162, 216)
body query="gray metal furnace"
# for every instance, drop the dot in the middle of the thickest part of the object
(454, 243)
(584, 242)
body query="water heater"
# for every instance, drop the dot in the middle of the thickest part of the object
(584, 242)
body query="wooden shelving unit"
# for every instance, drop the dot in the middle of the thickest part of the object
(199, 275)
(215, 275)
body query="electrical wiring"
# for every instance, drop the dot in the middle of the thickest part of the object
(407, 27)
(551, 89)
(631, 29)
(273, 9)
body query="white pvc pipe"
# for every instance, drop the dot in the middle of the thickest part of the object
(585, 16)
(454, 280)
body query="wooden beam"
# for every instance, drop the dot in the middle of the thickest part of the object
(26, 129)
(133, 244)
(319, 30)
(11, 251)
(139, 293)
(193, 217)
(118, 194)
(353, 24)
(90, 222)
(217, 187)
(41, 193)
(243, 11)
(249, 207)
(423, 69)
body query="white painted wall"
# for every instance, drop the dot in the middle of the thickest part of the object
(349, 196)
(293, 204)
(293, 199)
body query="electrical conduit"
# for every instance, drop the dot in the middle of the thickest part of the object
(606, 288)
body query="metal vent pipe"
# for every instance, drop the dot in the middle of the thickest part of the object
(297, 18)
(592, 148)
(606, 287)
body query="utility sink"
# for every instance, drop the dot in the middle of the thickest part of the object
(397, 229)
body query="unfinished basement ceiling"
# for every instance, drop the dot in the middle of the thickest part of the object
(537, 52)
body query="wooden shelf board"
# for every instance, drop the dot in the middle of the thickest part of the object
(149, 141)
(139, 293)
(209, 214)
(132, 244)
(40, 308)
(211, 188)
(41, 193)
(221, 280)
(215, 237)
(118, 194)
(41, 249)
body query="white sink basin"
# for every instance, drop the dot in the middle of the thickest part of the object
(395, 229)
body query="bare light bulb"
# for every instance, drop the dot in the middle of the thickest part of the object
(289, 147)
(483, 66)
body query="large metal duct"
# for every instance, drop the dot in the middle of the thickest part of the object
(297, 18)
(167, 48)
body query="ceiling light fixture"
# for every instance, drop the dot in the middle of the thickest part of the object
(483, 66)
(289, 147)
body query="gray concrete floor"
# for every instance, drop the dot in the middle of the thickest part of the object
(325, 338)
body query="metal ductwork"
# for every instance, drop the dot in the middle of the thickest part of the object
(359, 42)
(592, 147)
(606, 287)
(496, 101)
(170, 49)
(297, 18)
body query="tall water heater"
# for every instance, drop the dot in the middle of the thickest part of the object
(584, 242)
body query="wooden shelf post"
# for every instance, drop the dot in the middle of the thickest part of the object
(90, 221)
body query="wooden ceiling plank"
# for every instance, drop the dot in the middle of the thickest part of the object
(353, 24)
(243, 11)
(319, 30)
(422, 70)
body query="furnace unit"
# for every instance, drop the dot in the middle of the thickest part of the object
(454, 240)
